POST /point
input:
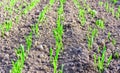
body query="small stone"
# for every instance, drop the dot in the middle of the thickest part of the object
(6, 33)
(37, 12)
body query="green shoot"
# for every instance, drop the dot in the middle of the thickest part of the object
(51, 2)
(116, 55)
(114, 1)
(112, 10)
(100, 62)
(31, 6)
(117, 14)
(51, 54)
(19, 64)
(58, 33)
(61, 70)
(35, 29)
(29, 41)
(100, 23)
(8, 25)
(106, 6)
(113, 41)
(93, 12)
(91, 37)
(82, 12)
(109, 60)
(100, 3)
(109, 35)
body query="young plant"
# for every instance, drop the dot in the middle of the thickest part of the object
(113, 41)
(114, 1)
(51, 2)
(82, 12)
(42, 14)
(8, 25)
(19, 64)
(100, 62)
(29, 41)
(116, 55)
(93, 12)
(117, 14)
(31, 6)
(100, 23)
(2, 30)
(58, 33)
(92, 37)
(35, 29)
(100, 3)
(109, 35)
(106, 6)
(82, 16)
(112, 10)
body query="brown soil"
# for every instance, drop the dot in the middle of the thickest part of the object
(75, 57)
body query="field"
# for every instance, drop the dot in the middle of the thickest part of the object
(59, 36)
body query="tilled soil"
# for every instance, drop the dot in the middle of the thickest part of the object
(76, 57)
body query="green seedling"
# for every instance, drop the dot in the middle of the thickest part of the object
(19, 64)
(10, 6)
(82, 12)
(117, 14)
(29, 41)
(93, 13)
(42, 14)
(51, 54)
(100, 3)
(114, 1)
(109, 35)
(100, 23)
(116, 55)
(2, 30)
(77, 4)
(112, 10)
(51, 2)
(82, 16)
(31, 6)
(100, 62)
(58, 33)
(113, 41)
(92, 37)
(106, 6)
(61, 70)
(8, 25)
(35, 29)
